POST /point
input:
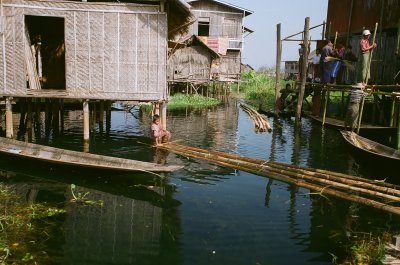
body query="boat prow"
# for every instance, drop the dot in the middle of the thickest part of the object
(68, 157)
(371, 147)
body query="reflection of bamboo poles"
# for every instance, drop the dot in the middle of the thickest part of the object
(371, 193)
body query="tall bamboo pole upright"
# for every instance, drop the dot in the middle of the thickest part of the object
(380, 49)
(349, 22)
(366, 80)
(304, 68)
(86, 129)
(392, 112)
(278, 67)
(398, 126)
(9, 118)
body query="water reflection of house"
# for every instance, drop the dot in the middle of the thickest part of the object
(129, 227)
(349, 18)
(220, 26)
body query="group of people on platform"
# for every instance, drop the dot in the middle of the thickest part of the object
(339, 65)
(333, 65)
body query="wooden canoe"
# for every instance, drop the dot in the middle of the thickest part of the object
(339, 124)
(74, 158)
(372, 148)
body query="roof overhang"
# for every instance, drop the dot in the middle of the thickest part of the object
(240, 9)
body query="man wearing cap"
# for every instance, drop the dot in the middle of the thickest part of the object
(365, 49)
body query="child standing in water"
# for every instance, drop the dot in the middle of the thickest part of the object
(157, 132)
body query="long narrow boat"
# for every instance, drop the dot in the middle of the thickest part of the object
(67, 157)
(339, 124)
(372, 148)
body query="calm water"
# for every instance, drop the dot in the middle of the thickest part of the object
(203, 214)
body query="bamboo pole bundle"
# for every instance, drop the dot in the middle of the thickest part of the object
(373, 193)
(260, 122)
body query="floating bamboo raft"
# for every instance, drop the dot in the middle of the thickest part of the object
(260, 122)
(374, 193)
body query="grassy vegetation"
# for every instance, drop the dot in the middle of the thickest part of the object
(259, 89)
(365, 248)
(196, 101)
(24, 229)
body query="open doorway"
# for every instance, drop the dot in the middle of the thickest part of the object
(45, 36)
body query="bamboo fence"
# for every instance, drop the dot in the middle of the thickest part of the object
(373, 193)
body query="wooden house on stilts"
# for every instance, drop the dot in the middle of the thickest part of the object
(220, 26)
(94, 52)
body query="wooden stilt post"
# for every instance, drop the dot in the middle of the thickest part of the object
(101, 116)
(156, 108)
(86, 129)
(398, 127)
(61, 111)
(325, 105)
(278, 68)
(108, 116)
(343, 105)
(163, 114)
(56, 116)
(304, 69)
(392, 112)
(9, 118)
(93, 118)
(360, 115)
(29, 119)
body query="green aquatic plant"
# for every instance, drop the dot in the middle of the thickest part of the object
(82, 198)
(179, 101)
(24, 228)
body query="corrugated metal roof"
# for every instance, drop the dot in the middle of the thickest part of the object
(246, 11)
(365, 14)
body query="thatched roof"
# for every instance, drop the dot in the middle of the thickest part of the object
(179, 18)
(191, 41)
(178, 11)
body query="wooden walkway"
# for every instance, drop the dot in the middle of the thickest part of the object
(377, 194)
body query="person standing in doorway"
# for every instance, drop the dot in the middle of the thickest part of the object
(365, 51)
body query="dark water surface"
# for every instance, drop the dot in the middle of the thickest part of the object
(202, 214)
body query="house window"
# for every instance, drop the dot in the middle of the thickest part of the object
(229, 20)
(204, 26)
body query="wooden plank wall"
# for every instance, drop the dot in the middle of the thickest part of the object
(112, 51)
(224, 22)
(383, 65)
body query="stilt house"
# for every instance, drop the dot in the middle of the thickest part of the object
(192, 62)
(87, 50)
(350, 18)
(220, 26)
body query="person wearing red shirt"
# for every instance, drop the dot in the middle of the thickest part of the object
(365, 50)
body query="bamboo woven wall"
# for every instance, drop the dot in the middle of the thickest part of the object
(190, 64)
(112, 51)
